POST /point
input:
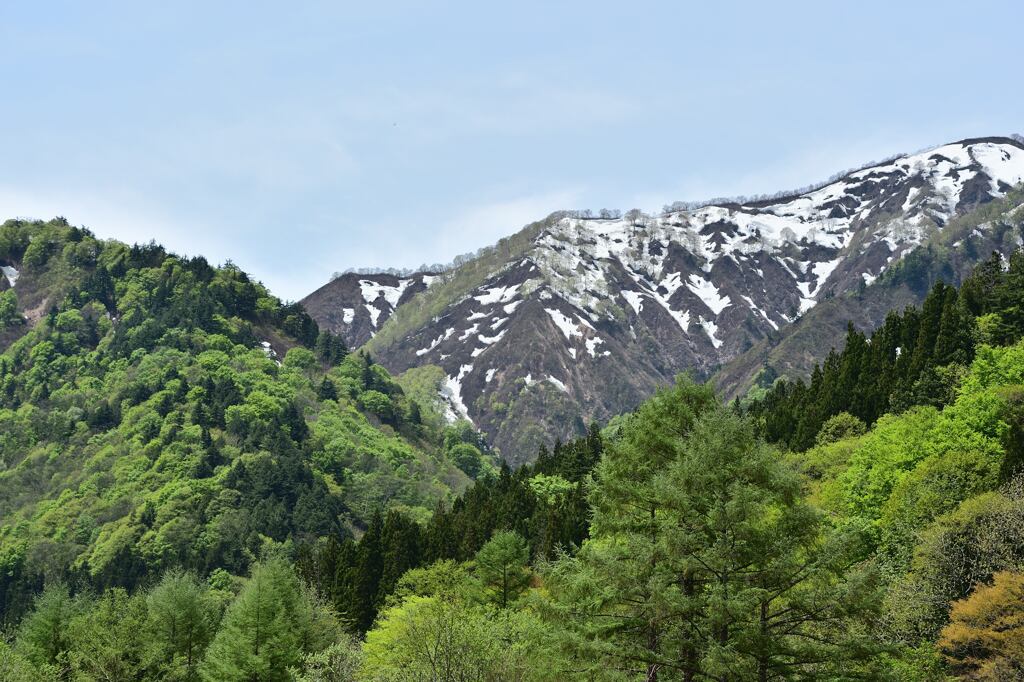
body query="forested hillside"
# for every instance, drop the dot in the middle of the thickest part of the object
(159, 412)
(179, 506)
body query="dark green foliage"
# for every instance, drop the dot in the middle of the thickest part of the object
(109, 640)
(914, 358)
(44, 637)
(357, 576)
(268, 629)
(182, 618)
(177, 631)
(144, 432)
(330, 348)
(1013, 436)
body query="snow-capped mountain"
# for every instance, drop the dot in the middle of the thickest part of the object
(585, 317)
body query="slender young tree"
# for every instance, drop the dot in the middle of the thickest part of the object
(182, 620)
(502, 570)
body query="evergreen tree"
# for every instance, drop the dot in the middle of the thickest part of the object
(327, 390)
(1009, 296)
(704, 560)
(43, 636)
(323, 347)
(502, 569)
(263, 629)
(366, 580)
(182, 620)
(400, 551)
(108, 641)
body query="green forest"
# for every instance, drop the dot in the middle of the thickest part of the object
(196, 483)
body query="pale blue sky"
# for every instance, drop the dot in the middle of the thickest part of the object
(305, 140)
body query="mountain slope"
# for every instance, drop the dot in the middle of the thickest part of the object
(357, 305)
(163, 412)
(948, 256)
(587, 316)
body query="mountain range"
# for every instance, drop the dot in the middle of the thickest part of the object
(580, 317)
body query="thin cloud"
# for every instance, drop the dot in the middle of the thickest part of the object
(488, 222)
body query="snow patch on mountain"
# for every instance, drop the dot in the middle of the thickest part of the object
(635, 300)
(711, 329)
(708, 292)
(569, 328)
(728, 275)
(11, 273)
(490, 340)
(437, 342)
(592, 344)
(558, 384)
(374, 314)
(373, 290)
(1000, 161)
(451, 392)
(497, 295)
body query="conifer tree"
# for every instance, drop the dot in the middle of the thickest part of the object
(501, 568)
(182, 619)
(43, 636)
(704, 561)
(261, 635)
(400, 551)
(108, 641)
(367, 573)
(1009, 295)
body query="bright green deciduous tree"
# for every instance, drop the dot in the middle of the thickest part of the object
(449, 640)
(838, 427)
(8, 308)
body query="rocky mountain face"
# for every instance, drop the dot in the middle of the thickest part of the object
(582, 318)
(357, 305)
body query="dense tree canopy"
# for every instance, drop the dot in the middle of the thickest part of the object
(198, 484)
(167, 413)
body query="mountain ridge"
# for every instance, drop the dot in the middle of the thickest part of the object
(629, 301)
